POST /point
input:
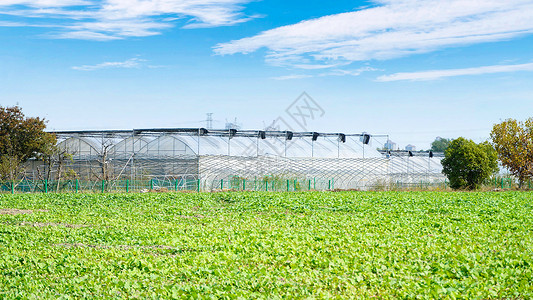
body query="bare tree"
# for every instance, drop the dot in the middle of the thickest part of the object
(104, 161)
(62, 156)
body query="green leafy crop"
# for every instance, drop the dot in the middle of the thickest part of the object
(385, 245)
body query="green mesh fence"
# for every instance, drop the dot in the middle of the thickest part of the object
(232, 183)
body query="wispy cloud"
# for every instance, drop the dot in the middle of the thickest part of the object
(393, 28)
(118, 19)
(437, 74)
(293, 76)
(128, 64)
(341, 72)
(334, 72)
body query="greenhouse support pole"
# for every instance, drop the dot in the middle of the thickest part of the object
(338, 148)
(229, 145)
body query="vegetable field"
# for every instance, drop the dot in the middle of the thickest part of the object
(267, 245)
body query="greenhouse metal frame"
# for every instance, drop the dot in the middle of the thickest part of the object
(207, 160)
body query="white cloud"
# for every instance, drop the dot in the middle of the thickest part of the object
(128, 64)
(11, 24)
(334, 72)
(117, 19)
(437, 74)
(341, 72)
(394, 28)
(45, 3)
(291, 77)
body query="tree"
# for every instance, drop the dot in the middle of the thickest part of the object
(467, 164)
(514, 144)
(21, 138)
(440, 144)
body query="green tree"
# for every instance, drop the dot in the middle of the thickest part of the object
(514, 143)
(21, 138)
(467, 164)
(440, 144)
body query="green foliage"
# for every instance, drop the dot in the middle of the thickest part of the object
(21, 138)
(514, 143)
(467, 164)
(386, 245)
(440, 144)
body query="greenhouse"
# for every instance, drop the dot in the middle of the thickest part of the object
(203, 159)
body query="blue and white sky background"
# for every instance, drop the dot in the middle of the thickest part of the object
(413, 69)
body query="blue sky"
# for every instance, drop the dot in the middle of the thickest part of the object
(412, 69)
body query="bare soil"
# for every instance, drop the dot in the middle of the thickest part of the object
(13, 211)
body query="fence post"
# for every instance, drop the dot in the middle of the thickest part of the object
(309, 185)
(127, 185)
(198, 186)
(329, 184)
(12, 187)
(151, 184)
(502, 184)
(46, 186)
(103, 185)
(266, 185)
(244, 184)
(77, 185)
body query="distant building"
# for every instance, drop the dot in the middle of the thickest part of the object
(410, 147)
(233, 125)
(390, 145)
